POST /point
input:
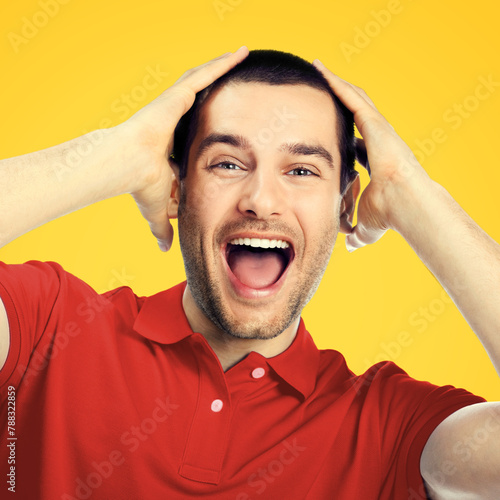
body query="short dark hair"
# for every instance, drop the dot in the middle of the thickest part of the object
(272, 67)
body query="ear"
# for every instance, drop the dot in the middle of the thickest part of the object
(175, 193)
(348, 203)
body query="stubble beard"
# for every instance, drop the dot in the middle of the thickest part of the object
(205, 286)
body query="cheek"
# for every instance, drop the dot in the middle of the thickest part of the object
(317, 208)
(319, 220)
(207, 203)
(204, 190)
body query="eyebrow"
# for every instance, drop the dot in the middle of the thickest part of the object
(241, 142)
(300, 149)
(233, 140)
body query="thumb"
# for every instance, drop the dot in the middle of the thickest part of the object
(157, 219)
(153, 202)
(361, 236)
(166, 232)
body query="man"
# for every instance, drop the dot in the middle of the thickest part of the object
(214, 388)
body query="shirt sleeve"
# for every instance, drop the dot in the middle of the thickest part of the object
(29, 292)
(409, 411)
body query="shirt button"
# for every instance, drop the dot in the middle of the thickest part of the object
(258, 372)
(216, 405)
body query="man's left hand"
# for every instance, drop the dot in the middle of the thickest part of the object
(388, 159)
(464, 259)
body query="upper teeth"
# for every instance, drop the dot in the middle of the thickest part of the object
(258, 242)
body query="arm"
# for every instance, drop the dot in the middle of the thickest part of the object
(466, 261)
(129, 158)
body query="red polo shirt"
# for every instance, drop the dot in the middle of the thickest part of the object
(117, 398)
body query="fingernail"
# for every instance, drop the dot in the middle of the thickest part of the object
(163, 246)
(349, 247)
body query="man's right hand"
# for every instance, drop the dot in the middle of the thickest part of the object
(132, 158)
(148, 140)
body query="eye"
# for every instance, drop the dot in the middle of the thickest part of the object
(301, 172)
(226, 165)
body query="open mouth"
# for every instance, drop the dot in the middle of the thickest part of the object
(258, 263)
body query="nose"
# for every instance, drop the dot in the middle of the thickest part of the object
(262, 195)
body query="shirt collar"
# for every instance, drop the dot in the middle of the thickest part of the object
(162, 319)
(299, 364)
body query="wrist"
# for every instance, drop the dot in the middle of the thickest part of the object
(139, 158)
(409, 196)
(103, 155)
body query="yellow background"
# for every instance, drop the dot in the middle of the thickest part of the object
(68, 77)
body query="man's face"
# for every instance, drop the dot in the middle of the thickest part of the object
(263, 173)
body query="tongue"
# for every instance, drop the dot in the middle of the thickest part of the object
(256, 269)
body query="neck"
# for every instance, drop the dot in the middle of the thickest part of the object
(228, 348)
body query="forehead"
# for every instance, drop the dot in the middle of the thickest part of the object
(270, 114)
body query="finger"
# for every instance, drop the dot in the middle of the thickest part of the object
(220, 57)
(162, 229)
(359, 90)
(336, 82)
(192, 70)
(178, 98)
(202, 76)
(166, 242)
(153, 202)
(354, 98)
(361, 236)
(362, 155)
(158, 221)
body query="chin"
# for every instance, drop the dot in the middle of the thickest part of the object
(254, 330)
(250, 322)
